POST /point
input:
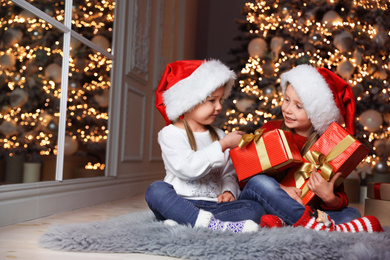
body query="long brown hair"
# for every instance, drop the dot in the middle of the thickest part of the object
(190, 134)
(313, 137)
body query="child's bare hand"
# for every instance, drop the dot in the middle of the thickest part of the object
(226, 197)
(231, 140)
(293, 192)
(322, 188)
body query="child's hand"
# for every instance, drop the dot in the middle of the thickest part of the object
(226, 197)
(293, 192)
(324, 189)
(231, 140)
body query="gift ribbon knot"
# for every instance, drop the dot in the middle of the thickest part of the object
(247, 138)
(317, 160)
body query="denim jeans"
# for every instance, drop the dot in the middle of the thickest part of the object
(166, 204)
(275, 201)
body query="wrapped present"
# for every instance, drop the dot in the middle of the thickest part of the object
(268, 153)
(335, 151)
(378, 190)
(379, 209)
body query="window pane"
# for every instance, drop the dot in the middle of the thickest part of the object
(54, 8)
(94, 19)
(87, 113)
(30, 81)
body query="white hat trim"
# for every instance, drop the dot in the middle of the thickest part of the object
(309, 84)
(193, 90)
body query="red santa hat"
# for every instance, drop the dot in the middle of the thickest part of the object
(187, 83)
(326, 97)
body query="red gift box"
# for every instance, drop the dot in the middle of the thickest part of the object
(335, 151)
(268, 153)
(378, 190)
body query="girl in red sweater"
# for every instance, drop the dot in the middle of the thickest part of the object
(314, 98)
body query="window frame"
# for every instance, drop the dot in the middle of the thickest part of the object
(66, 29)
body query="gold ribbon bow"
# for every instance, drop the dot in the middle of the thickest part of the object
(317, 160)
(247, 138)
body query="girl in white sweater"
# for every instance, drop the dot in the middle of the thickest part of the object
(200, 187)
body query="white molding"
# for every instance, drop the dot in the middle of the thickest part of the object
(116, 90)
(23, 202)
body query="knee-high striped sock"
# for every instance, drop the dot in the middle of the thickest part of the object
(321, 221)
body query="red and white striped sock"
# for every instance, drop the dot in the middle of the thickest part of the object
(321, 221)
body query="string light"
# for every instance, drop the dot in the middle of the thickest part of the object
(26, 65)
(309, 40)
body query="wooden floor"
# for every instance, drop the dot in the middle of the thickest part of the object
(20, 241)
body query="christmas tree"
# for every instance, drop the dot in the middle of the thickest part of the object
(351, 38)
(30, 79)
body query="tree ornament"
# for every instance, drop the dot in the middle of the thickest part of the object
(101, 41)
(7, 61)
(269, 91)
(286, 8)
(41, 55)
(357, 90)
(352, 16)
(276, 46)
(70, 146)
(343, 41)
(257, 47)
(74, 43)
(36, 33)
(371, 119)
(5, 109)
(74, 84)
(381, 36)
(9, 128)
(53, 72)
(345, 69)
(18, 98)
(243, 104)
(26, 15)
(52, 126)
(380, 147)
(315, 38)
(12, 36)
(49, 10)
(331, 18)
(381, 167)
(103, 99)
(358, 56)
(304, 59)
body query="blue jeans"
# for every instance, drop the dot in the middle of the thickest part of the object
(275, 201)
(163, 200)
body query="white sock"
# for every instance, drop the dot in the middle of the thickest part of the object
(170, 222)
(207, 220)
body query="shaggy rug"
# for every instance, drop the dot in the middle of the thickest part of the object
(142, 233)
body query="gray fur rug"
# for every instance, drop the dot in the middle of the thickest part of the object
(142, 233)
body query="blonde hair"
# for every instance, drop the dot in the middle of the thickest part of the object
(313, 137)
(190, 134)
